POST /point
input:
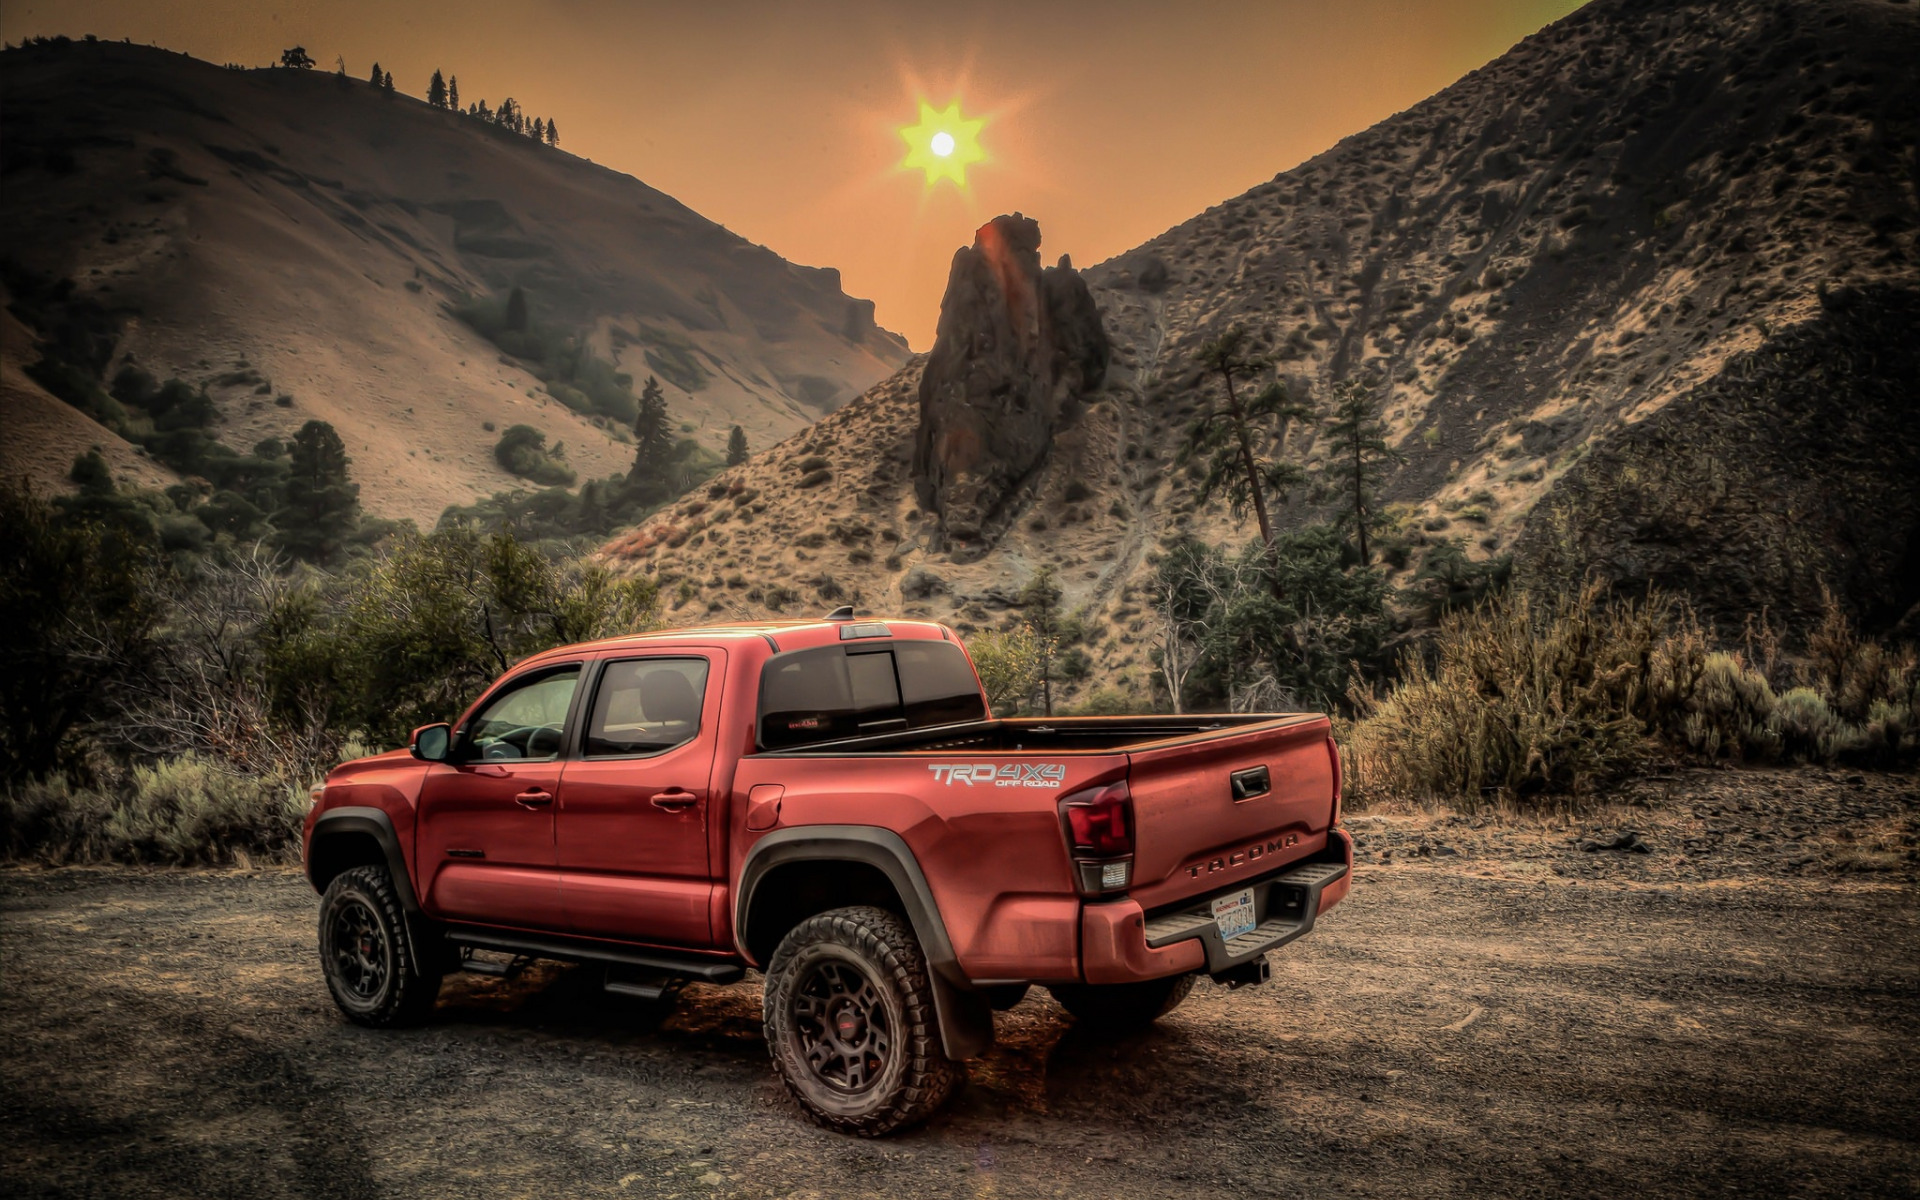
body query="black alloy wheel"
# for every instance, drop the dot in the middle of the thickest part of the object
(366, 955)
(842, 1026)
(851, 1025)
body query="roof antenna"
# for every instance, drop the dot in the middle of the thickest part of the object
(843, 613)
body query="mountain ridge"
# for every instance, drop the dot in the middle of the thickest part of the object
(323, 235)
(1565, 243)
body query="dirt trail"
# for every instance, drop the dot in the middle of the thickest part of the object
(1499, 1013)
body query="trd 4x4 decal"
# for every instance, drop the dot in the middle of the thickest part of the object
(1031, 775)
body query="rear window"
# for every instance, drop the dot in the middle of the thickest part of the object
(844, 691)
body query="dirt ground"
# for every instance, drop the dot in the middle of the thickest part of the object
(1494, 1012)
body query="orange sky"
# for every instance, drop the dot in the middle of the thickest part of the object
(1107, 121)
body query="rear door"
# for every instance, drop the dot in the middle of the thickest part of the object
(486, 818)
(636, 805)
(1217, 808)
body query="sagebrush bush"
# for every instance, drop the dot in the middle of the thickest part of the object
(183, 811)
(1728, 710)
(1520, 697)
(1808, 730)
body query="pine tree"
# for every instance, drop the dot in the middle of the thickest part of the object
(553, 133)
(437, 90)
(377, 78)
(736, 447)
(517, 310)
(387, 85)
(297, 58)
(453, 93)
(1357, 459)
(1040, 604)
(322, 502)
(482, 112)
(1226, 436)
(539, 130)
(653, 443)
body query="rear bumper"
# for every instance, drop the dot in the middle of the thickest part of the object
(1120, 944)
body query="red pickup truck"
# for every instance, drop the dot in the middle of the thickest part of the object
(831, 802)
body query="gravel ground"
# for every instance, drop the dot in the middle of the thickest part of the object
(1495, 1011)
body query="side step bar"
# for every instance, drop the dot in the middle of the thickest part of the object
(657, 962)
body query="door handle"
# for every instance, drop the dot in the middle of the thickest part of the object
(673, 799)
(534, 798)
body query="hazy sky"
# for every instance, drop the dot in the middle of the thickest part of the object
(1107, 120)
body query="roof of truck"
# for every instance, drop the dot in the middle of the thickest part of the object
(794, 634)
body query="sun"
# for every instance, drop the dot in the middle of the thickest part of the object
(943, 144)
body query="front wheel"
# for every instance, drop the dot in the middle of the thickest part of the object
(1112, 1008)
(851, 1025)
(366, 956)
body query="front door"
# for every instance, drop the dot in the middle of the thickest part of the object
(634, 810)
(485, 849)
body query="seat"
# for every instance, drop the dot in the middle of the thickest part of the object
(668, 698)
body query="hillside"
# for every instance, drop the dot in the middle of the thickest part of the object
(284, 233)
(1637, 297)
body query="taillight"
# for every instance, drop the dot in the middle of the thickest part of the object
(1339, 777)
(1099, 829)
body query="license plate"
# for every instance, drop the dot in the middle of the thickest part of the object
(1234, 914)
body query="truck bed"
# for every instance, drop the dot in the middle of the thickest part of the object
(1048, 735)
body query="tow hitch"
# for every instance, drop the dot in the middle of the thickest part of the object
(1246, 974)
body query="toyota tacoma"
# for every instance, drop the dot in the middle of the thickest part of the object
(832, 803)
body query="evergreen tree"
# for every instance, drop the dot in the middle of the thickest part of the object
(437, 90)
(553, 133)
(1226, 435)
(296, 58)
(539, 130)
(453, 93)
(482, 113)
(377, 78)
(1357, 460)
(517, 310)
(1040, 603)
(653, 443)
(387, 85)
(736, 447)
(322, 502)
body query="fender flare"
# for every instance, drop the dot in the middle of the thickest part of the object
(966, 1020)
(422, 930)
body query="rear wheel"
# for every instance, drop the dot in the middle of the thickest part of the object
(1122, 1007)
(365, 954)
(851, 1026)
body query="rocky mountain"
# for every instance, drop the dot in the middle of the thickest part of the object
(299, 243)
(1639, 297)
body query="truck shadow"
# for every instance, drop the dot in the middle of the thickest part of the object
(1041, 1062)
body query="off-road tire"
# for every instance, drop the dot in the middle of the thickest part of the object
(375, 978)
(872, 952)
(1115, 1008)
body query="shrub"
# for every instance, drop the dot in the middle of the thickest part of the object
(1521, 698)
(522, 450)
(182, 811)
(1808, 730)
(1727, 712)
(1009, 664)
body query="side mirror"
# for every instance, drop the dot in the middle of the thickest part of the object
(429, 742)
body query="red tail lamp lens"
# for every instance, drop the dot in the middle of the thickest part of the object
(1100, 823)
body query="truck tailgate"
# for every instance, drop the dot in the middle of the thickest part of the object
(1205, 817)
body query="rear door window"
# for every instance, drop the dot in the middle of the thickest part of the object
(843, 691)
(646, 706)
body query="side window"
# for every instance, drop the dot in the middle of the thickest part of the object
(647, 706)
(528, 721)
